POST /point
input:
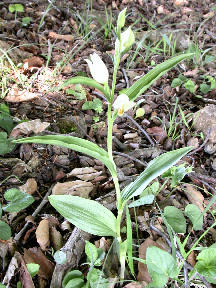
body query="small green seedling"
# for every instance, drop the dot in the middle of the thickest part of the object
(17, 201)
(176, 174)
(26, 21)
(95, 105)
(33, 269)
(79, 92)
(16, 8)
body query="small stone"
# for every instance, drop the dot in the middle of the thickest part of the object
(210, 148)
(193, 142)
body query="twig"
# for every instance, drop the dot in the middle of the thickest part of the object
(185, 264)
(35, 213)
(202, 177)
(125, 77)
(130, 157)
(140, 128)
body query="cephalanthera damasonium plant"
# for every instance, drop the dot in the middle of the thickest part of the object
(89, 215)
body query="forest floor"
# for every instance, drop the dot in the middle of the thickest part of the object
(47, 44)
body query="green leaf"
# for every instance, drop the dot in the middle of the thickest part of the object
(97, 279)
(175, 218)
(60, 257)
(91, 252)
(6, 146)
(74, 274)
(4, 109)
(129, 242)
(75, 283)
(6, 122)
(74, 143)
(205, 88)
(2, 286)
(5, 231)
(141, 85)
(195, 215)
(33, 268)
(190, 86)
(85, 81)
(155, 168)
(176, 82)
(140, 112)
(16, 8)
(161, 266)
(145, 200)
(206, 264)
(176, 174)
(95, 105)
(86, 214)
(18, 200)
(0, 210)
(26, 21)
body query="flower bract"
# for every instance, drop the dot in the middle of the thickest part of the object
(127, 40)
(98, 69)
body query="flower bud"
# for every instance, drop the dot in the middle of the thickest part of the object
(127, 40)
(98, 69)
(123, 104)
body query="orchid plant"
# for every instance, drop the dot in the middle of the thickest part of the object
(87, 214)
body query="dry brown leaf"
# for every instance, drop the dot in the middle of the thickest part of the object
(186, 10)
(26, 128)
(194, 196)
(35, 255)
(42, 234)
(159, 133)
(16, 95)
(191, 259)
(75, 188)
(56, 36)
(130, 135)
(56, 238)
(143, 274)
(33, 62)
(29, 187)
(191, 73)
(209, 14)
(85, 174)
(25, 276)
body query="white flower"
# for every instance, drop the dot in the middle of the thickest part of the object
(123, 104)
(98, 69)
(127, 40)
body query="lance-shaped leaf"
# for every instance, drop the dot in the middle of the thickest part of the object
(146, 81)
(155, 168)
(85, 81)
(88, 215)
(74, 143)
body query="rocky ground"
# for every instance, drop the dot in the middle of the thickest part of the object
(53, 47)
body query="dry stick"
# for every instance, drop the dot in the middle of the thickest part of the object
(126, 78)
(140, 128)
(130, 157)
(39, 208)
(202, 177)
(185, 264)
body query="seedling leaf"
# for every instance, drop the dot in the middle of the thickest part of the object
(18, 200)
(175, 218)
(5, 231)
(195, 215)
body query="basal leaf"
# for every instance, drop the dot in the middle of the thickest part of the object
(146, 81)
(155, 168)
(85, 81)
(175, 218)
(88, 215)
(74, 143)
